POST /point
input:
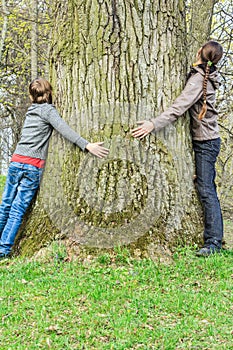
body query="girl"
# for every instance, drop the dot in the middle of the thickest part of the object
(198, 97)
(28, 160)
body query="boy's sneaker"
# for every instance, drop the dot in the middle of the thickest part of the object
(4, 256)
(207, 251)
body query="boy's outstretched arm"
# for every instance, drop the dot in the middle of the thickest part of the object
(97, 149)
(145, 127)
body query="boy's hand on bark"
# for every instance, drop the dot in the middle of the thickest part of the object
(97, 149)
(145, 127)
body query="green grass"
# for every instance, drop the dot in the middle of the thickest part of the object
(2, 184)
(117, 303)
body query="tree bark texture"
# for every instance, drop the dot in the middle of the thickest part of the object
(114, 63)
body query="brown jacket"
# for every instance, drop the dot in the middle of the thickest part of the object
(191, 98)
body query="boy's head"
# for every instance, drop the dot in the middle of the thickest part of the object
(40, 91)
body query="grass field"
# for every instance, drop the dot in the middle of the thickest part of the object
(2, 184)
(117, 303)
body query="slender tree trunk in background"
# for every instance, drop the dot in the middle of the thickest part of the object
(34, 39)
(2, 44)
(116, 62)
(4, 28)
(199, 19)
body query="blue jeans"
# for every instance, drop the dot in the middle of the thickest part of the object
(21, 186)
(206, 153)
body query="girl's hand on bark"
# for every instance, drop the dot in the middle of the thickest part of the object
(145, 127)
(97, 149)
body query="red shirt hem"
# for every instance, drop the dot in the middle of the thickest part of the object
(39, 163)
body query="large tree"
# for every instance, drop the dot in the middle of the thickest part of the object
(113, 63)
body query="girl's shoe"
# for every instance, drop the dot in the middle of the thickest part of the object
(207, 251)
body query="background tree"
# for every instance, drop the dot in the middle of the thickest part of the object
(20, 61)
(34, 40)
(199, 22)
(222, 30)
(4, 27)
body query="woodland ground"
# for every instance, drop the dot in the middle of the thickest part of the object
(117, 302)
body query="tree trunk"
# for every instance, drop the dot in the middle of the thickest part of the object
(114, 63)
(199, 19)
(34, 39)
(4, 28)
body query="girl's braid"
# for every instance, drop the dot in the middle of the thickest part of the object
(211, 53)
(205, 82)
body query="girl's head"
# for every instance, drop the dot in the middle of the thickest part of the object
(209, 55)
(211, 52)
(40, 91)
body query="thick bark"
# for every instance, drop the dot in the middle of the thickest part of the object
(116, 62)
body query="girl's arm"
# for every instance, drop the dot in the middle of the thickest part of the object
(190, 95)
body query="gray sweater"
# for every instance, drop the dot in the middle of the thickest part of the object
(191, 98)
(40, 121)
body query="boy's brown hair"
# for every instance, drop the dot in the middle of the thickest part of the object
(40, 91)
